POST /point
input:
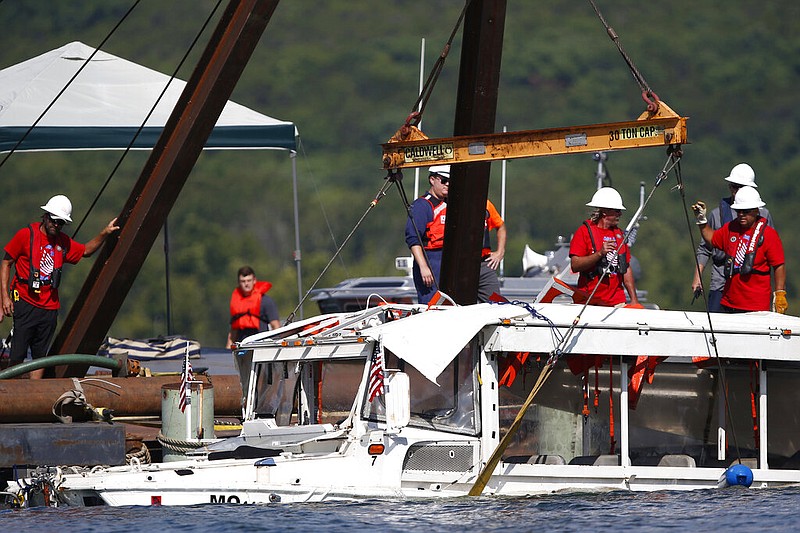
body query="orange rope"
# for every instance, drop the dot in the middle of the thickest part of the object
(753, 409)
(586, 393)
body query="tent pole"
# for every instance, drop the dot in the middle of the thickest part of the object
(293, 156)
(166, 275)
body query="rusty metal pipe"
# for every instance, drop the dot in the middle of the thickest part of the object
(25, 400)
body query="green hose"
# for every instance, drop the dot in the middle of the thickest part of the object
(56, 360)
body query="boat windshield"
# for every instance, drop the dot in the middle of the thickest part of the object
(315, 392)
(449, 406)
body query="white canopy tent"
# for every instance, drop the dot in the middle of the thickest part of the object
(106, 104)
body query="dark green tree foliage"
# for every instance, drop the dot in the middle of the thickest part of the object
(347, 73)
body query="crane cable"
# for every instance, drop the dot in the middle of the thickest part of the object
(713, 340)
(380, 194)
(146, 118)
(427, 89)
(650, 98)
(63, 89)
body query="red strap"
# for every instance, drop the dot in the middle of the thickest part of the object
(753, 392)
(611, 438)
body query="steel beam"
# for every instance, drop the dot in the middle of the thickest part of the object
(476, 106)
(162, 178)
(642, 133)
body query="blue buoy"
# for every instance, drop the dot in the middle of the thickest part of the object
(739, 474)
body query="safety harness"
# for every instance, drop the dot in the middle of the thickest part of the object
(750, 256)
(622, 260)
(35, 281)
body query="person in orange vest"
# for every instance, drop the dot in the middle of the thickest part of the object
(38, 252)
(425, 232)
(251, 309)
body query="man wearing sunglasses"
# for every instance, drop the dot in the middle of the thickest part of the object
(742, 175)
(425, 232)
(38, 252)
(753, 250)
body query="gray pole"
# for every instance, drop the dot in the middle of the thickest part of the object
(296, 254)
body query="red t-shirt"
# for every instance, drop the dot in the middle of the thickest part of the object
(611, 291)
(750, 292)
(49, 256)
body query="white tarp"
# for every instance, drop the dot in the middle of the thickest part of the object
(107, 102)
(429, 341)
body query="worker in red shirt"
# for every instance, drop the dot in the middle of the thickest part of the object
(38, 252)
(597, 246)
(753, 250)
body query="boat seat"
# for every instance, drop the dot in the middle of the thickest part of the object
(678, 459)
(595, 460)
(607, 460)
(544, 459)
(749, 462)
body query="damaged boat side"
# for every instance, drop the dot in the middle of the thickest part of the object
(404, 401)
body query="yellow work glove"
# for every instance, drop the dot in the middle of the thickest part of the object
(779, 304)
(699, 209)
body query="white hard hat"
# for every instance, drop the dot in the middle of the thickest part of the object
(59, 207)
(747, 198)
(742, 174)
(606, 197)
(441, 170)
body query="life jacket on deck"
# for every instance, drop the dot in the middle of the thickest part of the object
(246, 310)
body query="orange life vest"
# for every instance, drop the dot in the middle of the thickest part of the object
(434, 231)
(246, 310)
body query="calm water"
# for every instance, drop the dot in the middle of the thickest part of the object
(734, 509)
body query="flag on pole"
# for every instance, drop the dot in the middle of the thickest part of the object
(376, 372)
(186, 389)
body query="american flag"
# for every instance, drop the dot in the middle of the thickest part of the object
(186, 390)
(376, 372)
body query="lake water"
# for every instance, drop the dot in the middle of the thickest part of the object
(732, 509)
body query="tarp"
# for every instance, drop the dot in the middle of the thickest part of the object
(106, 104)
(430, 341)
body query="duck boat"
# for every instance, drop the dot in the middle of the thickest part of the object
(409, 401)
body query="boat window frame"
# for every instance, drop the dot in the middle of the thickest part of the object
(427, 419)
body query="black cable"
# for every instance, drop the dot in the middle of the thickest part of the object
(430, 83)
(152, 110)
(85, 63)
(381, 193)
(723, 380)
(643, 85)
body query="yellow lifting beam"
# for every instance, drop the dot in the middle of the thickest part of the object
(410, 148)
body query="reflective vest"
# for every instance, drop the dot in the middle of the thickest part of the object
(246, 310)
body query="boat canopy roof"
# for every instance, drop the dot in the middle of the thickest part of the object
(429, 339)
